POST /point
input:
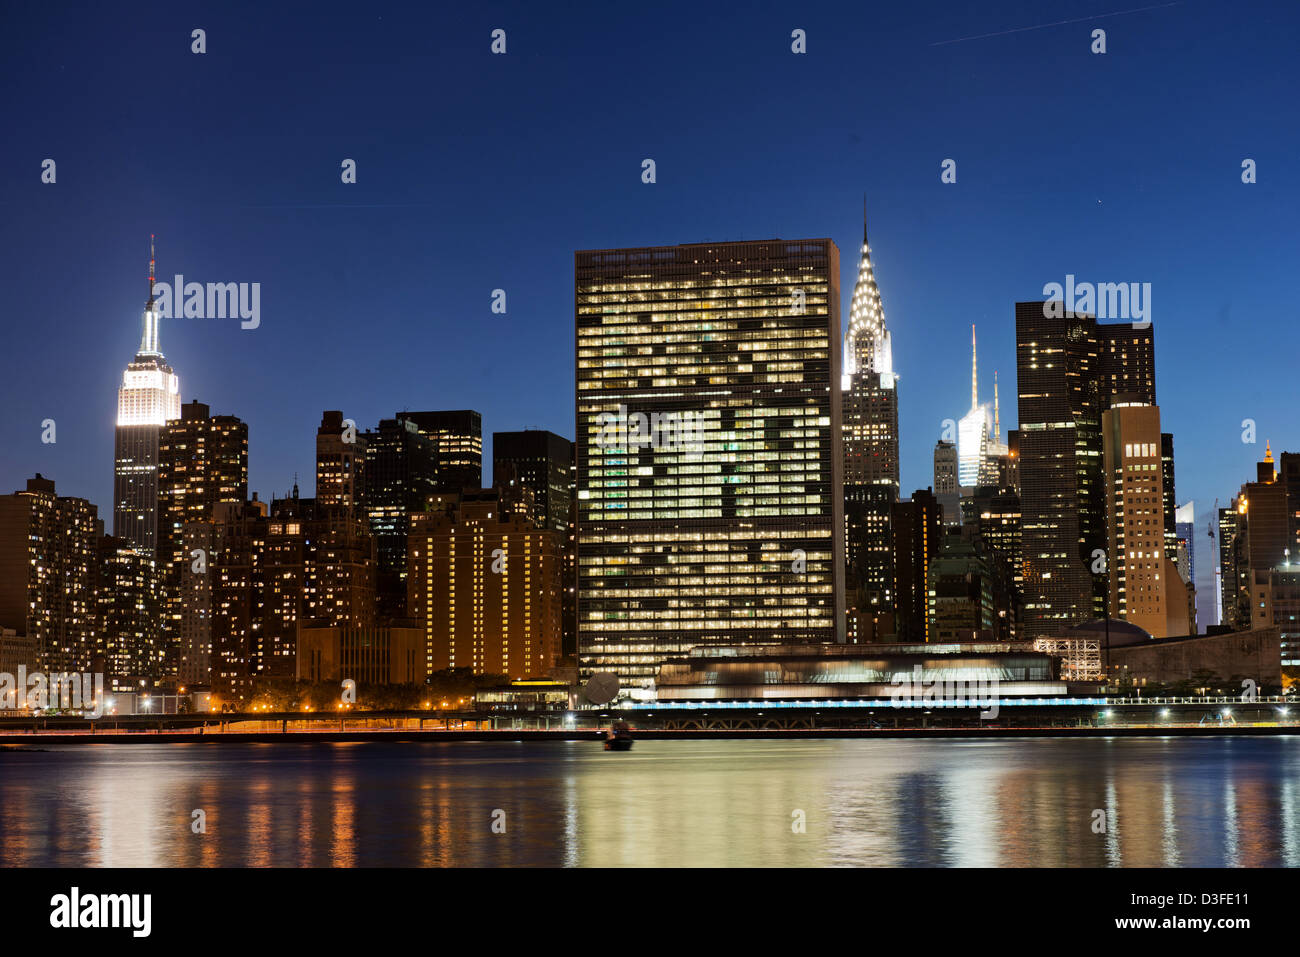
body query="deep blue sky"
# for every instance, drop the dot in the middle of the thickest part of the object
(478, 171)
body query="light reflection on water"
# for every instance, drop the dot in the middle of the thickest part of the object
(1186, 802)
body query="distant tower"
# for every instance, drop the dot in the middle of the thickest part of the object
(972, 430)
(149, 397)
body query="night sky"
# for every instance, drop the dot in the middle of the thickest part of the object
(477, 172)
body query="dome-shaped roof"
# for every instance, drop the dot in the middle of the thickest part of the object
(1121, 632)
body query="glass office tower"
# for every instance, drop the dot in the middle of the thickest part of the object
(709, 459)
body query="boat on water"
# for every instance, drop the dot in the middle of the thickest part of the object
(618, 737)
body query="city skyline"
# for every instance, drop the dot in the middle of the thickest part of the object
(152, 331)
(328, 254)
(581, 436)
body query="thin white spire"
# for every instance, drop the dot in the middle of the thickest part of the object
(149, 335)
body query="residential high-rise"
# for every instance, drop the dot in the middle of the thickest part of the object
(869, 396)
(544, 462)
(485, 583)
(401, 474)
(202, 462)
(340, 464)
(1145, 587)
(710, 492)
(1068, 369)
(48, 563)
(148, 398)
(458, 436)
(128, 599)
(235, 546)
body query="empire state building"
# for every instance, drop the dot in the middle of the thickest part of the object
(150, 396)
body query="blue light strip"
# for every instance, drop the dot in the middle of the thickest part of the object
(862, 703)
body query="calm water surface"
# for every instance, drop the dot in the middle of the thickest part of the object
(1030, 802)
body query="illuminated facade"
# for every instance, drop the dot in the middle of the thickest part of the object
(401, 473)
(709, 459)
(484, 583)
(917, 532)
(1068, 369)
(458, 437)
(202, 462)
(148, 398)
(47, 574)
(340, 463)
(1145, 587)
(128, 595)
(543, 462)
(962, 592)
(870, 438)
(972, 432)
(946, 489)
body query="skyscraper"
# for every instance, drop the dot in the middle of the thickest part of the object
(1145, 587)
(1068, 368)
(458, 437)
(917, 537)
(401, 473)
(946, 489)
(543, 462)
(48, 557)
(148, 398)
(972, 431)
(128, 598)
(539, 460)
(340, 464)
(709, 456)
(1185, 523)
(870, 434)
(1234, 606)
(961, 593)
(485, 584)
(202, 462)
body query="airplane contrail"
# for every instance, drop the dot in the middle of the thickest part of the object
(1043, 26)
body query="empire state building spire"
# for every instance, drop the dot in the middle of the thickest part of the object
(149, 335)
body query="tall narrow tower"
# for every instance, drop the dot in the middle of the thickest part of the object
(870, 433)
(972, 430)
(149, 397)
